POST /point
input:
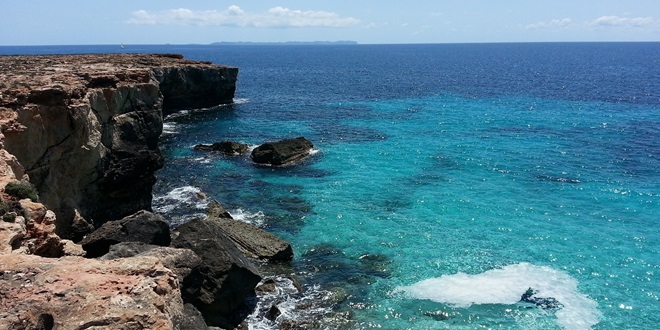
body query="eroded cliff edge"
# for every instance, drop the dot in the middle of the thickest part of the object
(85, 128)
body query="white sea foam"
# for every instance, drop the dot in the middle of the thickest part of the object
(186, 196)
(256, 218)
(170, 128)
(241, 100)
(317, 304)
(506, 286)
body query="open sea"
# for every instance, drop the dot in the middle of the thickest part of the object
(447, 180)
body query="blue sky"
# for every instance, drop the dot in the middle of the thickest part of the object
(51, 22)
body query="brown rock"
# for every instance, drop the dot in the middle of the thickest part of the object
(86, 127)
(78, 293)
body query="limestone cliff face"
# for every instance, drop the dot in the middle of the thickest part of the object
(85, 128)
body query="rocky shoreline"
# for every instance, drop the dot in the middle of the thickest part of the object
(82, 131)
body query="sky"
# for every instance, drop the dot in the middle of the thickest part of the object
(84, 22)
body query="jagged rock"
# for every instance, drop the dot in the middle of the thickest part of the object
(273, 312)
(80, 227)
(142, 226)
(11, 235)
(76, 293)
(192, 319)
(281, 153)
(545, 303)
(267, 286)
(180, 261)
(215, 210)
(225, 147)
(86, 127)
(220, 284)
(40, 238)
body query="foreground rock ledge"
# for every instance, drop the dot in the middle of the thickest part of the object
(85, 128)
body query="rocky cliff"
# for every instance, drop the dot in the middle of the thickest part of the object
(85, 128)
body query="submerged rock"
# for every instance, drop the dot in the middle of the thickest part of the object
(142, 226)
(544, 303)
(225, 147)
(281, 153)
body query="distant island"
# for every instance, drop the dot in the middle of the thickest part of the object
(340, 42)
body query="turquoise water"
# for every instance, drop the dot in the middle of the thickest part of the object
(448, 179)
(562, 196)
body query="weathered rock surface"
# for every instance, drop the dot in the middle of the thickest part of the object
(255, 242)
(281, 153)
(225, 147)
(225, 277)
(78, 293)
(180, 261)
(85, 128)
(143, 226)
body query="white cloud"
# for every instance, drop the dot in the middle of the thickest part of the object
(626, 22)
(555, 23)
(278, 17)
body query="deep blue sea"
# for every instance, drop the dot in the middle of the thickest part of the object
(447, 180)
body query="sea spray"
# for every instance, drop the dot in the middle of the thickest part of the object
(505, 286)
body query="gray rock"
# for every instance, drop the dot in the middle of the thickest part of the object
(282, 153)
(221, 283)
(225, 147)
(180, 261)
(255, 242)
(142, 226)
(192, 319)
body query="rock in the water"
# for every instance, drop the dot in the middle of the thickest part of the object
(225, 147)
(544, 303)
(215, 210)
(282, 152)
(273, 312)
(142, 226)
(77, 293)
(221, 283)
(255, 242)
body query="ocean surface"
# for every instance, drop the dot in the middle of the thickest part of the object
(447, 179)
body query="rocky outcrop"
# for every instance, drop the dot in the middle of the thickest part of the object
(180, 261)
(225, 147)
(282, 153)
(85, 128)
(253, 241)
(143, 226)
(225, 277)
(78, 293)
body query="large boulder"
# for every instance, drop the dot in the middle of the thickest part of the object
(221, 283)
(255, 242)
(283, 152)
(142, 226)
(225, 147)
(77, 293)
